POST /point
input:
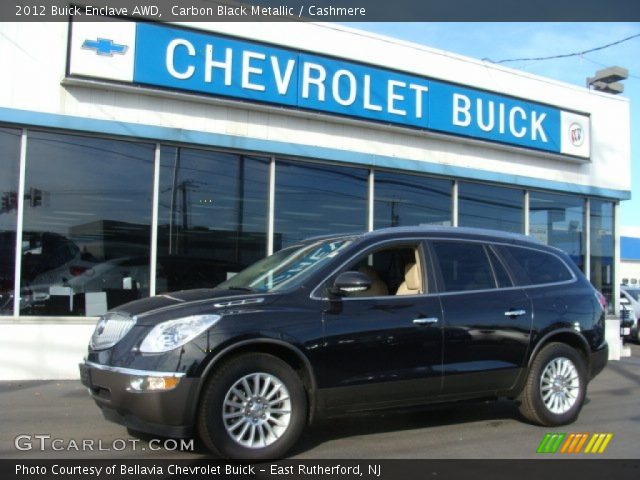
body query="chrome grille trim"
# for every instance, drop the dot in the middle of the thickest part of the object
(110, 329)
(133, 371)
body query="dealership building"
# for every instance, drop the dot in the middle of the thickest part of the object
(139, 158)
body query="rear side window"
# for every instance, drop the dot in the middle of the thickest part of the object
(498, 269)
(540, 267)
(464, 266)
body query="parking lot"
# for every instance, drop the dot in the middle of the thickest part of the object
(63, 411)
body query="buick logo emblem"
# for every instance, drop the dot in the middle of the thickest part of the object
(576, 134)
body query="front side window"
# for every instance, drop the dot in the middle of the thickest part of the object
(540, 267)
(464, 266)
(287, 268)
(393, 270)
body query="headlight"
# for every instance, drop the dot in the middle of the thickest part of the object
(174, 333)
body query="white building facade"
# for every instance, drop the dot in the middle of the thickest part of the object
(141, 158)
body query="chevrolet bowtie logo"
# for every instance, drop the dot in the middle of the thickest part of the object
(104, 46)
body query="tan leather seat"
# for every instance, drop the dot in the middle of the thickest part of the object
(412, 282)
(378, 287)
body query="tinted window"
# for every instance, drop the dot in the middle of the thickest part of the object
(558, 220)
(87, 215)
(212, 216)
(9, 159)
(318, 199)
(464, 266)
(411, 200)
(498, 269)
(602, 247)
(540, 267)
(488, 206)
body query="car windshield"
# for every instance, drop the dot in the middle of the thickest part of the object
(634, 293)
(287, 268)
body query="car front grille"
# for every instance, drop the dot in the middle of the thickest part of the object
(110, 329)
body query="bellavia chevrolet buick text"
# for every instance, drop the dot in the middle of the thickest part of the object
(351, 323)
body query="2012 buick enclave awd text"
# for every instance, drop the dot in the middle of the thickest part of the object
(353, 323)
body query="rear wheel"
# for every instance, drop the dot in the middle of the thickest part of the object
(556, 386)
(254, 407)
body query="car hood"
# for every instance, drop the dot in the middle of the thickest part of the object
(190, 302)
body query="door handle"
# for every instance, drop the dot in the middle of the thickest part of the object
(515, 313)
(425, 321)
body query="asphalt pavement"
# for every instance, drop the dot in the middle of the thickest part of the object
(57, 419)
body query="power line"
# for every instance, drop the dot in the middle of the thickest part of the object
(565, 55)
(600, 64)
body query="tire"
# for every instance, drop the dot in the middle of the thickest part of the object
(571, 365)
(269, 431)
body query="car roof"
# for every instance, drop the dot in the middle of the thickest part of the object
(441, 230)
(438, 231)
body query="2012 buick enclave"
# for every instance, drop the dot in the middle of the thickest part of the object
(352, 323)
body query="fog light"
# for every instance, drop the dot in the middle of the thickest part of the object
(147, 384)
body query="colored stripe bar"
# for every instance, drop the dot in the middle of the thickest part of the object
(550, 443)
(598, 443)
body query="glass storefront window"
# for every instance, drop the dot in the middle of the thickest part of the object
(87, 215)
(212, 216)
(313, 199)
(411, 200)
(489, 206)
(558, 220)
(9, 166)
(602, 242)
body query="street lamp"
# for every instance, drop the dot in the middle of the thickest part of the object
(607, 80)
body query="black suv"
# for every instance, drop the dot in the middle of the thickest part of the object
(352, 323)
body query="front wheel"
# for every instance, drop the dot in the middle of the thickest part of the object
(254, 407)
(556, 386)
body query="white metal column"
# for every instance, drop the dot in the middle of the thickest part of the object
(20, 222)
(371, 204)
(272, 205)
(154, 222)
(616, 258)
(454, 203)
(525, 213)
(587, 238)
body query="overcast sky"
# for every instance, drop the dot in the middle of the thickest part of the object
(498, 41)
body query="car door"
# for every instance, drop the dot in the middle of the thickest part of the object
(386, 347)
(487, 321)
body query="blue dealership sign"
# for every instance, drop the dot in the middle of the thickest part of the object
(211, 64)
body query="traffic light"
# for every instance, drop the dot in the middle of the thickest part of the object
(9, 201)
(35, 197)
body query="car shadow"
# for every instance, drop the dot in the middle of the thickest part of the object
(495, 412)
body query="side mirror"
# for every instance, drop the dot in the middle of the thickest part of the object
(350, 282)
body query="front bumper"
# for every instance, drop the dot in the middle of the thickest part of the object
(599, 360)
(168, 413)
